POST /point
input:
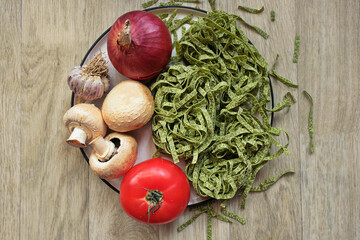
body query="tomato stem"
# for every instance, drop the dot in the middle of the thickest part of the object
(155, 198)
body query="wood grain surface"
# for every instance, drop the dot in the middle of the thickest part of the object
(47, 190)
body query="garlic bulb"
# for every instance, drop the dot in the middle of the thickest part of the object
(91, 81)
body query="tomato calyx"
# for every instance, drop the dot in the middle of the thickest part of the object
(155, 199)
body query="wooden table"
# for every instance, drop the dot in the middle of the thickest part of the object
(48, 192)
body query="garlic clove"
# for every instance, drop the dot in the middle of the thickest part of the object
(98, 88)
(73, 78)
(106, 82)
(93, 88)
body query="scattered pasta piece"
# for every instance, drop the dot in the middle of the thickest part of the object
(296, 49)
(251, 10)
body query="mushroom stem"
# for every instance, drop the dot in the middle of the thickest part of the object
(77, 138)
(104, 149)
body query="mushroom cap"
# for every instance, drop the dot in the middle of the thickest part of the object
(128, 106)
(124, 158)
(86, 117)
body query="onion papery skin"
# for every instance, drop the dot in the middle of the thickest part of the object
(149, 51)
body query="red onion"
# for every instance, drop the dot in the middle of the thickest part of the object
(139, 45)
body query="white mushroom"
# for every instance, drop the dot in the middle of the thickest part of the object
(84, 122)
(123, 158)
(113, 155)
(128, 106)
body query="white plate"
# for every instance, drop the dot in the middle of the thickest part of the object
(143, 136)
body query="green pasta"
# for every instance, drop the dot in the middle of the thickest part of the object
(287, 102)
(208, 209)
(180, 22)
(209, 227)
(272, 15)
(212, 4)
(171, 3)
(187, 1)
(255, 28)
(251, 10)
(290, 96)
(269, 182)
(175, 36)
(188, 222)
(296, 49)
(173, 25)
(280, 78)
(183, 30)
(169, 22)
(275, 62)
(311, 122)
(230, 214)
(163, 16)
(149, 3)
(212, 111)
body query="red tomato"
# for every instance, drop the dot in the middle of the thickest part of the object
(155, 191)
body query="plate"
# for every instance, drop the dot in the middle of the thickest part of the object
(143, 136)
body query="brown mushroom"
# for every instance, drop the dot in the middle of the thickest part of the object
(128, 106)
(85, 123)
(123, 158)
